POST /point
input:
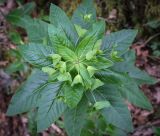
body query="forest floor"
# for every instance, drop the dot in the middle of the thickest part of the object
(144, 121)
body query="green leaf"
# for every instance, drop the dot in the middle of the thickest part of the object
(2, 1)
(53, 77)
(50, 108)
(114, 56)
(80, 30)
(15, 15)
(74, 119)
(15, 53)
(117, 113)
(119, 132)
(27, 95)
(73, 95)
(100, 63)
(85, 9)
(14, 67)
(37, 30)
(48, 70)
(85, 75)
(128, 65)
(32, 122)
(28, 7)
(62, 66)
(102, 104)
(105, 63)
(88, 129)
(59, 19)
(154, 24)
(120, 41)
(130, 90)
(96, 83)
(77, 79)
(156, 130)
(98, 46)
(56, 58)
(111, 77)
(32, 26)
(66, 53)
(15, 37)
(90, 54)
(127, 86)
(36, 54)
(90, 38)
(64, 77)
(91, 70)
(58, 38)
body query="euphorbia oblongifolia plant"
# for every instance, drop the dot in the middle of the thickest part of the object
(78, 67)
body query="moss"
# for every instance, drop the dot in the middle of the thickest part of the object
(152, 9)
(69, 5)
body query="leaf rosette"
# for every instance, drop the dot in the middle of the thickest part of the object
(77, 67)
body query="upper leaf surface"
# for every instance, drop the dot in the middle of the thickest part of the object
(86, 8)
(128, 65)
(58, 38)
(73, 94)
(133, 94)
(66, 53)
(36, 54)
(37, 30)
(111, 77)
(117, 113)
(100, 63)
(120, 41)
(27, 95)
(85, 75)
(50, 108)
(15, 15)
(127, 86)
(74, 119)
(90, 38)
(60, 20)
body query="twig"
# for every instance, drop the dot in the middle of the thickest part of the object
(151, 38)
(154, 58)
(107, 20)
(57, 129)
(2, 13)
(157, 122)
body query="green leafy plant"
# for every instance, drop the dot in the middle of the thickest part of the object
(79, 70)
(15, 18)
(157, 131)
(15, 15)
(154, 42)
(18, 64)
